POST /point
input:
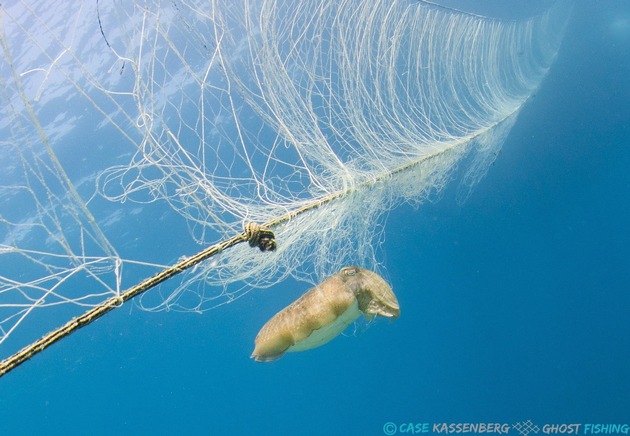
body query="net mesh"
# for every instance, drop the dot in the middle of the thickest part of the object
(194, 117)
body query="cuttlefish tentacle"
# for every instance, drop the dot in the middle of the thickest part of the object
(324, 311)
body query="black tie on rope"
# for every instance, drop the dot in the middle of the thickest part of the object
(259, 236)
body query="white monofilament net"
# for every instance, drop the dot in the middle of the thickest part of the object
(230, 111)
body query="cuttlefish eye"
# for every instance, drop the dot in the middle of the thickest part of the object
(325, 311)
(350, 271)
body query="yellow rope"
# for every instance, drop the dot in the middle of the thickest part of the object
(96, 312)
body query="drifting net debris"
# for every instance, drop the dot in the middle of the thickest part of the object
(311, 118)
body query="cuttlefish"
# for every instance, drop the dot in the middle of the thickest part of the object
(324, 311)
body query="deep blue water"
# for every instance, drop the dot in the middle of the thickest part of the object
(515, 305)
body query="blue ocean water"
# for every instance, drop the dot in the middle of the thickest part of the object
(515, 305)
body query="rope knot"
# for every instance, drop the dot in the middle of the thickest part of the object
(259, 236)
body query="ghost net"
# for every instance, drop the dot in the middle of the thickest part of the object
(310, 118)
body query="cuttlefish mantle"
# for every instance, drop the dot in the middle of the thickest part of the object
(324, 311)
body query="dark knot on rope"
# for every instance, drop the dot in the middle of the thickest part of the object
(259, 236)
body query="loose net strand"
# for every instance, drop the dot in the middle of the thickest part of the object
(311, 118)
(251, 235)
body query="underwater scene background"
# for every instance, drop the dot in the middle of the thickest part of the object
(515, 305)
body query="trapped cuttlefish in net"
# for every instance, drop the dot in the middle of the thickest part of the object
(323, 312)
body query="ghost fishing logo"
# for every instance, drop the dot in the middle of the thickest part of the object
(523, 428)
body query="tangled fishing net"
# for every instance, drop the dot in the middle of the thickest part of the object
(312, 118)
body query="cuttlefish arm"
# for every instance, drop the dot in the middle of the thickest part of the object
(324, 311)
